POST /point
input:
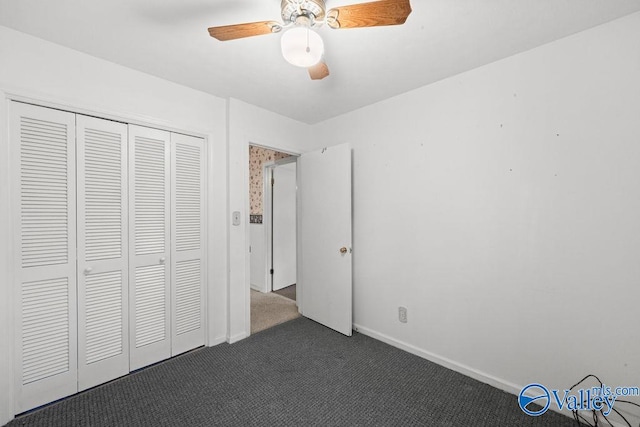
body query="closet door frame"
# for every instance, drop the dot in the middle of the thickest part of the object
(7, 264)
(8, 95)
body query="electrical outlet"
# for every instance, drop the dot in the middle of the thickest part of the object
(402, 314)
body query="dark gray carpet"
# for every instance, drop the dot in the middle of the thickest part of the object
(295, 374)
(288, 292)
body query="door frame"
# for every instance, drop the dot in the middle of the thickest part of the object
(267, 215)
(7, 324)
(245, 235)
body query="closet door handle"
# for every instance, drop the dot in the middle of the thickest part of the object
(162, 260)
(88, 270)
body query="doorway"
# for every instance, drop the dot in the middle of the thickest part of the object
(272, 235)
(323, 233)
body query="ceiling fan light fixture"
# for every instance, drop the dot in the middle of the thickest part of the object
(302, 47)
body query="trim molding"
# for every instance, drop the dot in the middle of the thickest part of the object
(29, 96)
(7, 326)
(237, 337)
(442, 361)
(216, 341)
(468, 371)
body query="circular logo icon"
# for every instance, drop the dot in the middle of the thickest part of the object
(541, 397)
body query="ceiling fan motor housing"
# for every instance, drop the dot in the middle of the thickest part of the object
(301, 45)
(309, 10)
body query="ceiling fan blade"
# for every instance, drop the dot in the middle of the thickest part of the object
(238, 31)
(373, 14)
(319, 71)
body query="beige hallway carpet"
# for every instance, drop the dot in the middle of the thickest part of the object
(270, 309)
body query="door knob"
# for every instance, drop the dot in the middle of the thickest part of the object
(343, 250)
(88, 270)
(162, 260)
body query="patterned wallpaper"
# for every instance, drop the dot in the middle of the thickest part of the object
(257, 157)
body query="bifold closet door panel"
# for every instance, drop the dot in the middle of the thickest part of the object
(42, 142)
(103, 327)
(187, 237)
(149, 246)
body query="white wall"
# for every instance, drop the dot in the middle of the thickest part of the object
(46, 72)
(509, 226)
(258, 261)
(250, 124)
(502, 208)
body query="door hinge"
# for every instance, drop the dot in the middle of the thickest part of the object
(273, 181)
(271, 271)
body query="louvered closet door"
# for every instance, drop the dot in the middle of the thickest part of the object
(103, 329)
(187, 237)
(149, 250)
(43, 145)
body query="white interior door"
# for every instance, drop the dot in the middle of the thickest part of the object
(44, 211)
(284, 225)
(325, 237)
(187, 249)
(149, 246)
(103, 328)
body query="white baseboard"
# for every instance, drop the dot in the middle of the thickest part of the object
(217, 340)
(442, 361)
(468, 371)
(481, 376)
(237, 337)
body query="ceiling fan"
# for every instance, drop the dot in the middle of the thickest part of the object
(301, 45)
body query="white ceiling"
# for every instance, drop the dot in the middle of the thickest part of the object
(169, 39)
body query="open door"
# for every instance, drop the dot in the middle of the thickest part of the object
(283, 223)
(325, 275)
